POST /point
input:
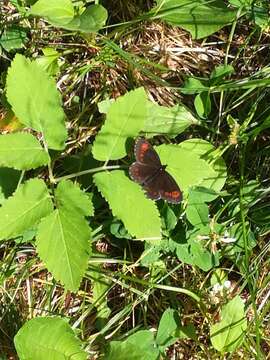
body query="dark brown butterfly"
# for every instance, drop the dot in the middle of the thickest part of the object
(150, 173)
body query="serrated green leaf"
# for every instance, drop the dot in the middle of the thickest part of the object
(9, 179)
(200, 17)
(138, 346)
(63, 244)
(206, 151)
(30, 203)
(123, 195)
(35, 101)
(71, 198)
(228, 334)
(22, 151)
(167, 120)
(187, 168)
(57, 12)
(48, 338)
(125, 119)
(91, 20)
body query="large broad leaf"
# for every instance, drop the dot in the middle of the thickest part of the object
(169, 323)
(138, 346)
(187, 167)
(91, 20)
(22, 151)
(48, 338)
(129, 204)
(24, 209)
(228, 334)
(200, 17)
(66, 232)
(167, 120)
(35, 101)
(207, 152)
(125, 119)
(57, 12)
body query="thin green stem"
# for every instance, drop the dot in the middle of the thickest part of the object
(89, 171)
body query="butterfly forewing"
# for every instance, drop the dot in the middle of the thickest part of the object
(145, 153)
(150, 173)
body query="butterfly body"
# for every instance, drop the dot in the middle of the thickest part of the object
(148, 171)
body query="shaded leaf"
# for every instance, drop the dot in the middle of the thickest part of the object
(129, 204)
(13, 38)
(30, 203)
(92, 19)
(167, 120)
(125, 119)
(228, 334)
(200, 17)
(35, 100)
(22, 151)
(48, 338)
(169, 323)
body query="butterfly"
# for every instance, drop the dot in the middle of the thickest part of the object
(148, 171)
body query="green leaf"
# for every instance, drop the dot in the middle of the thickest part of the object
(57, 12)
(200, 17)
(197, 214)
(22, 151)
(216, 180)
(187, 167)
(24, 209)
(228, 334)
(202, 104)
(13, 38)
(195, 86)
(122, 194)
(167, 120)
(125, 119)
(48, 338)
(91, 20)
(138, 346)
(9, 179)
(49, 62)
(66, 232)
(35, 101)
(169, 323)
(71, 198)
(220, 72)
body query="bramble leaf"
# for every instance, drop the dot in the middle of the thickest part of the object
(66, 232)
(35, 100)
(129, 204)
(48, 338)
(125, 119)
(24, 209)
(22, 151)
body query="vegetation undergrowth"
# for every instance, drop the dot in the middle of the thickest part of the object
(91, 268)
